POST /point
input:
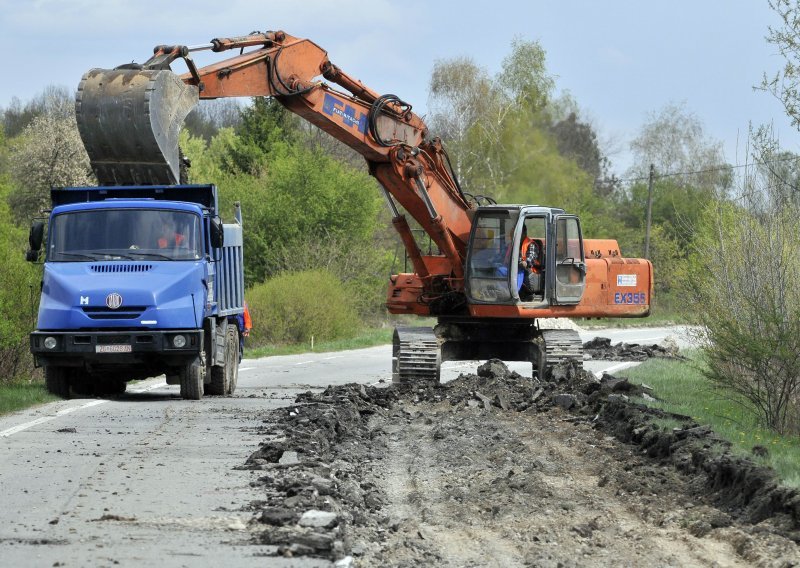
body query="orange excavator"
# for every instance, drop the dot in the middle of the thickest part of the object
(498, 268)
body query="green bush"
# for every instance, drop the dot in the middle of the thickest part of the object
(18, 298)
(294, 307)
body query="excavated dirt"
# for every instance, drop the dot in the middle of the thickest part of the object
(496, 469)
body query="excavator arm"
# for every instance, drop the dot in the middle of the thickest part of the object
(130, 117)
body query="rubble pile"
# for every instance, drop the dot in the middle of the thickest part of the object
(601, 348)
(368, 476)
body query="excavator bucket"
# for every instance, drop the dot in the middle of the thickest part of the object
(129, 121)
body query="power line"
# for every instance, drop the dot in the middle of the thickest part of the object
(708, 170)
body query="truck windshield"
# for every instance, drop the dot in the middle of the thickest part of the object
(124, 234)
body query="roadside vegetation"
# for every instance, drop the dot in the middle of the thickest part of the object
(682, 387)
(19, 394)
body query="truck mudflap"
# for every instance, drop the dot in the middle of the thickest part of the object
(129, 120)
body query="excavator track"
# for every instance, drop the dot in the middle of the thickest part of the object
(416, 356)
(557, 346)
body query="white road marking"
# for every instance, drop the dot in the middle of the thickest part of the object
(246, 369)
(21, 427)
(617, 367)
(304, 362)
(334, 357)
(43, 419)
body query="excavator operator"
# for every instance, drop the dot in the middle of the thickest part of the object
(530, 264)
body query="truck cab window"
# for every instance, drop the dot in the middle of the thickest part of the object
(125, 234)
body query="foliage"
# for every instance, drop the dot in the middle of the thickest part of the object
(52, 101)
(49, 153)
(499, 130)
(265, 126)
(210, 116)
(745, 281)
(296, 306)
(785, 84)
(16, 395)
(682, 388)
(18, 296)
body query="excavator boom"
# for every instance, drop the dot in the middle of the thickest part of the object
(130, 117)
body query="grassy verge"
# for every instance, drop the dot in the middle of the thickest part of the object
(367, 338)
(22, 394)
(681, 388)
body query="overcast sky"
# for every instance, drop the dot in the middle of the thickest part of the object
(620, 59)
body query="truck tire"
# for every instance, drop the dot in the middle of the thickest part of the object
(56, 380)
(192, 381)
(223, 379)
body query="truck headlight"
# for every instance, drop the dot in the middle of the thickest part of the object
(50, 342)
(179, 341)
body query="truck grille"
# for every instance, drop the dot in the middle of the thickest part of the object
(104, 313)
(120, 267)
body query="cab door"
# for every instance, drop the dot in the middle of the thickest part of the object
(568, 262)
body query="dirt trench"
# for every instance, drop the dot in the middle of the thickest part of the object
(495, 469)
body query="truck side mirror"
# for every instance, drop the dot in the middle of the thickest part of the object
(35, 238)
(217, 233)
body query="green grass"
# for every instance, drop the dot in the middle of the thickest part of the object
(22, 394)
(681, 388)
(367, 338)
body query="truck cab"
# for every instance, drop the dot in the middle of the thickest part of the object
(138, 282)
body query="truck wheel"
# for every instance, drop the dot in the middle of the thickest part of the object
(192, 382)
(56, 380)
(223, 379)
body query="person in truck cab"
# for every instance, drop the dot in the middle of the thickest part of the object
(170, 237)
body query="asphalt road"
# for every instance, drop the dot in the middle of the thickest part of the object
(149, 478)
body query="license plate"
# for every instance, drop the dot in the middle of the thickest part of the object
(113, 348)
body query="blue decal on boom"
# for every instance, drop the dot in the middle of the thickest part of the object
(334, 107)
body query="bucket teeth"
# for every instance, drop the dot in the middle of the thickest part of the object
(130, 120)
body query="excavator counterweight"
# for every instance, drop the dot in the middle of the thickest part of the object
(130, 120)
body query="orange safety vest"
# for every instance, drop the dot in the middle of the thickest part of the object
(248, 323)
(178, 239)
(526, 242)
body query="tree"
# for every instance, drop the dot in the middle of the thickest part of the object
(49, 153)
(18, 295)
(745, 287)
(785, 84)
(464, 105)
(265, 126)
(209, 116)
(690, 172)
(58, 101)
(471, 111)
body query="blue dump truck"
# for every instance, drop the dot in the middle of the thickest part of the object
(138, 281)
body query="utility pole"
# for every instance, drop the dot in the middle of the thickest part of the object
(649, 212)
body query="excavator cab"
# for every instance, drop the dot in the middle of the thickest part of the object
(547, 239)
